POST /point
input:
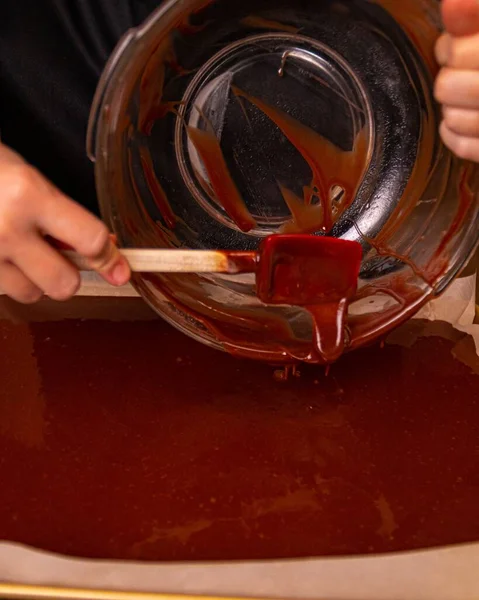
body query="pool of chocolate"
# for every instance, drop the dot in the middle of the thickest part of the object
(125, 439)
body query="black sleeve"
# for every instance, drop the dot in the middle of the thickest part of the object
(52, 53)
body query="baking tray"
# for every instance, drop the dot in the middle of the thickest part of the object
(125, 305)
(30, 592)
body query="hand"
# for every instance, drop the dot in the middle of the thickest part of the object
(32, 209)
(457, 85)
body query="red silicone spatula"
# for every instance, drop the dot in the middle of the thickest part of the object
(317, 273)
(306, 269)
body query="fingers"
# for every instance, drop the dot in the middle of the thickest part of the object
(110, 264)
(46, 268)
(73, 225)
(458, 52)
(461, 17)
(16, 285)
(457, 88)
(457, 85)
(32, 210)
(462, 121)
(442, 49)
(465, 147)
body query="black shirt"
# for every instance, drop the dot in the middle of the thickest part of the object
(52, 53)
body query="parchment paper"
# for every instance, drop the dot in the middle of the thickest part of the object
(445, 574)
(438, 574)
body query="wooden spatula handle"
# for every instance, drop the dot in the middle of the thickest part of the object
(164, 261)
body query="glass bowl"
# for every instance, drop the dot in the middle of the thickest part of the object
(216, 124)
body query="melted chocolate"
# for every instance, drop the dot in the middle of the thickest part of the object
(129, 441)
(330, 167)
(156, 190)
(419, 24)
(224, 187)
(152, 106)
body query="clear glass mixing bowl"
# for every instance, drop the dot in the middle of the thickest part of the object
(323, 104)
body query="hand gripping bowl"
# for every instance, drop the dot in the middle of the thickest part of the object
(218, 123)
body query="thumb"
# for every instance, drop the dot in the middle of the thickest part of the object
(110, 264)
(461, 17)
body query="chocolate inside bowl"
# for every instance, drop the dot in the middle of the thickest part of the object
(218, 123)
(122, 439)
